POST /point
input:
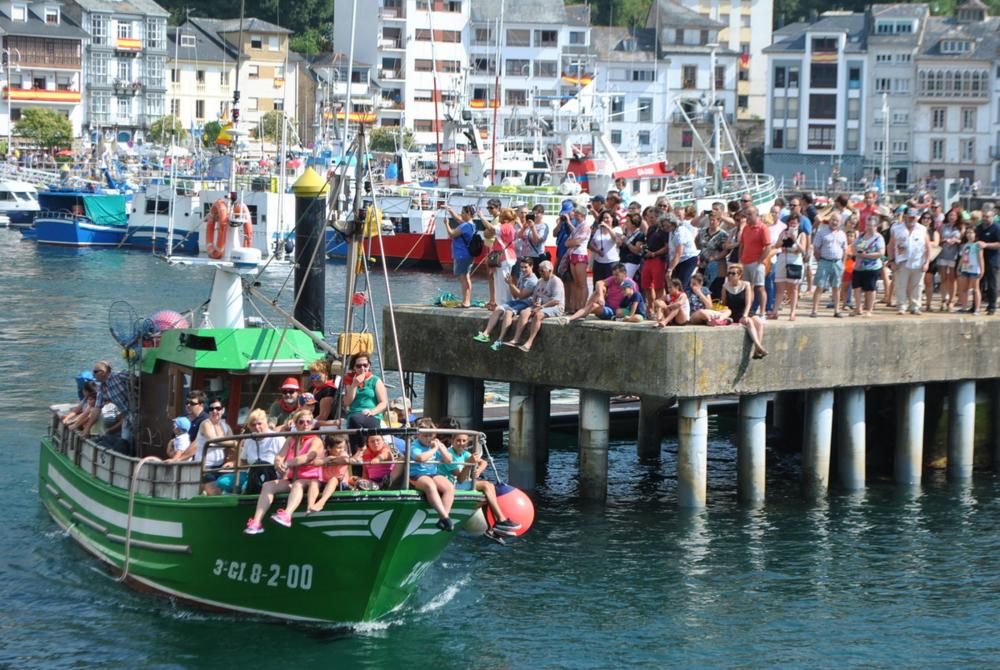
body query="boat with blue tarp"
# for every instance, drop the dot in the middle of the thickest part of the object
(75, 218)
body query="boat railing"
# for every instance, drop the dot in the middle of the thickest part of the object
(60, 215)
(430, 199)
(181, 480)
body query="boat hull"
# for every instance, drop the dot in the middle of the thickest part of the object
(401, 251)
(142, 237)
(76, 232)
(358, 560)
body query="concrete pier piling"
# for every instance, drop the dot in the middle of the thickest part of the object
(995, 423)
(435, 395)
(851, 443)
(461, 401)
(543, 408)
(595, 425)
(909, 454)
(961, 429)
(692, 453)
(816, 446)
(750, 454)
(521, 439)
(650, 437)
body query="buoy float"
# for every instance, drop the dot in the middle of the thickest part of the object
(516, 504)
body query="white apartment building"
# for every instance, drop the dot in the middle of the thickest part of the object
(329, 113)
(124, 65)
(926, 88)
(42, 62)
(747, 29)
(200, 78)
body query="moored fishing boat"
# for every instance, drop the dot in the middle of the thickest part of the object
(74, 218)
(357, 560)
(18, 203)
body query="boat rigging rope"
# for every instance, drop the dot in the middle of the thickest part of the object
(131, 506)
(428, 230)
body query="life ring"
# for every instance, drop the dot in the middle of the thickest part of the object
(218, 221)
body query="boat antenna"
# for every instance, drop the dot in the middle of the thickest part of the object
(437, 95)
(235, 112)
(496, 98)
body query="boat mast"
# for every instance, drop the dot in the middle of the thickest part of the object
(496, 100)
(357, 228)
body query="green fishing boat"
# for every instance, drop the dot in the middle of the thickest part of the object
(149, 520)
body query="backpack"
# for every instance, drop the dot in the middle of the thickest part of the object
(475, 245)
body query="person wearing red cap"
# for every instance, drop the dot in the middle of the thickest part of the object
(286, 404)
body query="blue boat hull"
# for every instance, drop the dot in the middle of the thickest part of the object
(77, 232)
(142, 237)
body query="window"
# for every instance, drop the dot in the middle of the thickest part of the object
(518, 37)
(900, 118)
(793, 107)
(854, 77)
(883, 85)
(546, 68)
(19, 13)
(516, 97)
(679, 36)
(703, 37)
(744, 74)
(779, 77)
(482, 37)
(124, 70)
(422, 65)
(939, 117)
(853, 109)
(187, 41)
(953, 83)
(273, 43)
(904, 58)
(822, 106)
(720, 76)
(449, 36)
(617, 105)
(689, 76)
(884, 28)
(955, 46)
(900, 146)
(199, 77)
(546, 38)
(644, 138)
(967, 147)
(742, 101)
(124, 30)
(937, 150)
(175, 107)
(253, 104)
(484, 66)
(423, 95)
(900, 85)
(253, 72)
(199, 109)
(577, 37)
(174, 75)
(645, 111)
(823, 75)
(744, 20)
(793, 78)
(153, 71)
(821, 137)
(878, 146)
(687, 139)
(778, 106)
(642, 75)
(156, 34)
(968, 118)
(883, 58)
(904, 27)
(616, 137)
(824, 44)
(99, 68)
(224, 78)
(778, 138)
(852, 139)
(517, 67)
(98, 28)
(256, 42)
(52, 16)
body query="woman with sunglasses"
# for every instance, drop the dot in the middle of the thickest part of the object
(365, 397)
(299, 463)
(214, 456)
(737, 295)
(325, 383)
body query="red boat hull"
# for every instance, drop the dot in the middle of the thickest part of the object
(405, 250)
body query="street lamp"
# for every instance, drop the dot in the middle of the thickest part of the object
(8, 58)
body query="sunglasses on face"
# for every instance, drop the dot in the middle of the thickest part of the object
(303, 422)
(733, 273)
(98, 371)
(214, 409)
(191, 403)
(362, 365)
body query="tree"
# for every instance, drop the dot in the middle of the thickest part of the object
(385, 139)
(210, 132)
(167, 128)
(270, 125)
(310, 42)
(45, 128)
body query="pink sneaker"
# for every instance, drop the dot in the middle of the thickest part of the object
(253, 527)
(282, 518)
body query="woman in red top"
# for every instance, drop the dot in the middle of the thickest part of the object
(504, 232)
(299, 461)
(324, 383)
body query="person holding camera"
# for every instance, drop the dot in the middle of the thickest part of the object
(532, 236)
(792, 246)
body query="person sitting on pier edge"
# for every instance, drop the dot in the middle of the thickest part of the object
(297, 464)
(336, 473)
(521, 290)
(675, 308)
(550, 300)
(425, 454)
(287, 403)
(365, 397)
(703, 312)
(194, 405)
(737, 295)
(632, 308)
(461, 238)
(181, 440)
(464, 472)
(606, 298)
(260, 453)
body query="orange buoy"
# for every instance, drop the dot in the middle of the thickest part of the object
(218, 221)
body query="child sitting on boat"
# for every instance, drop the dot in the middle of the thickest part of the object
(336, 473)
(181, 440)
(425, 453)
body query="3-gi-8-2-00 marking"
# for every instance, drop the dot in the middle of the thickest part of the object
(294, 577)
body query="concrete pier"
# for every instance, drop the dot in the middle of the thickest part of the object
(850, 403)
(543, 408)
(650, 437)
(595, 424)
(750, 454)
(435, 395)
(909, 456)
(521, 440)
(692, 453)
(961, 429)
(816, 446)
(461, 401)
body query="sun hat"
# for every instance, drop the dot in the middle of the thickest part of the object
(401, 404)
(306, 399)
(290, 383)
(182, 422)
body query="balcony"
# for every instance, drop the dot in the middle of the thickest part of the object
(131, 44)
(392, 13)
(390, 44)
(59, 96)
(390, 74)
(127, 88)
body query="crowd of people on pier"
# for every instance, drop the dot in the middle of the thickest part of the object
(731, 264)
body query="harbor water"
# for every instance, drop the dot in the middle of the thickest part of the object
(888, 578)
